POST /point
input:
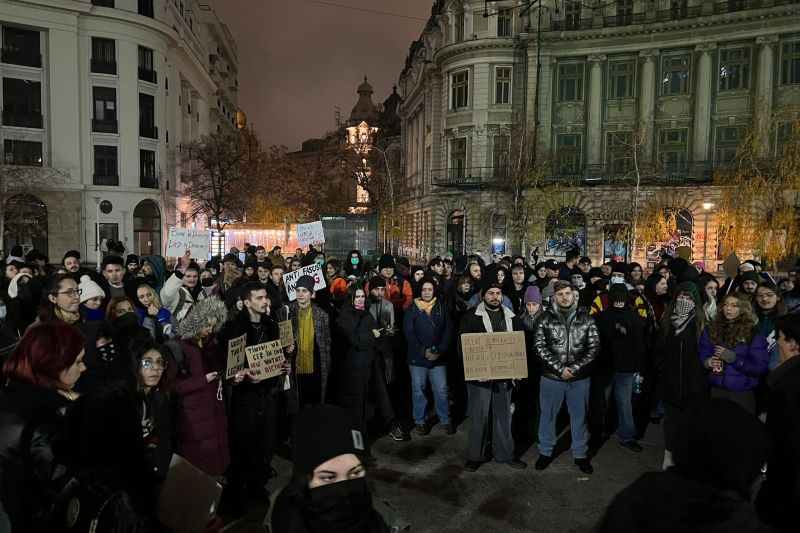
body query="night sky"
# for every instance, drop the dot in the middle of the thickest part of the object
(298, 59)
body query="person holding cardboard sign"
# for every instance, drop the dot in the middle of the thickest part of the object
(253, 409)
(490, 316)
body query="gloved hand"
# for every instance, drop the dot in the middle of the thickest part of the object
(431, 356)
(729, 356)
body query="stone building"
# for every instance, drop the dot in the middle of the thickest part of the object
(685, 77)
(98, 99)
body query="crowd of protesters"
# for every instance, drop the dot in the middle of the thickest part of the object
(108, 373)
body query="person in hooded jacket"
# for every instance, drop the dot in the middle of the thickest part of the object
(154, 269)
(525, 419)
(769, 307)
(681, 381)
(196, 383)
(328, 490)
(621, 355)
(182, 290)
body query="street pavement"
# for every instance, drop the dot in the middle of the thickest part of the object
(425, 481)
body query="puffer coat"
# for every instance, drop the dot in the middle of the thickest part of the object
(561, 342)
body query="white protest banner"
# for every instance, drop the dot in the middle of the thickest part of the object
(235, 356)
(311, 233)
(265, 360)
(494, 355)
(290, 279)
(195, 240)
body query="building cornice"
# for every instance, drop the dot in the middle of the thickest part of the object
(451, 51)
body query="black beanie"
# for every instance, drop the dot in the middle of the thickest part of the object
(619, 267)
(376, 282)
(751, 276)
(618, 292)
(386, 261)
(306, 282)
(322, 432)
(132, 258)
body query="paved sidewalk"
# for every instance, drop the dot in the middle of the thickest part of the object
(425, 480)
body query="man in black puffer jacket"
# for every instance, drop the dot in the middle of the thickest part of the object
(567, 342)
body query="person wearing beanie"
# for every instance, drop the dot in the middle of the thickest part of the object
(15, 255)
(567, 342)
(490, 281)
(92, 297)
(622, 353)
(681, 381)
(619, 272)
(311, 357)
(328, 490)
(490, 316)
(526, 396)
(748, 283)
(398, 291)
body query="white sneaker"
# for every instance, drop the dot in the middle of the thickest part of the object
(668, 462)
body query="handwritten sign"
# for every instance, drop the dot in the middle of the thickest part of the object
(290, 279)
(194, 240)
(265, 360)
(494, 356)
(311, 233)
(287, 334)
(236, 356)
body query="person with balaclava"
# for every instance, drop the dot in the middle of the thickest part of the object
(328, 490)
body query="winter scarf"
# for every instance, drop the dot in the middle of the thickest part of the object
(305, 341)
(426, 307)
(682, 314)
(68, 316)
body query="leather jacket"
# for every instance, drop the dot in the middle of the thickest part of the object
(573, 342)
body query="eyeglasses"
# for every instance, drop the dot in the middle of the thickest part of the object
(158, 364)
(72, 293)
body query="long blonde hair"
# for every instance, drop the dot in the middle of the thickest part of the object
(733, 332)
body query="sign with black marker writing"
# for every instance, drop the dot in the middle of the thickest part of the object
(265, 360)
(494, 355)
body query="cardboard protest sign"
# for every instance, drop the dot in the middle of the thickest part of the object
(287, 334)
(236, 357)
(265, 360)
(311, 233)
(290, 279)
(494, 355)
(195, 240)
(188, 499)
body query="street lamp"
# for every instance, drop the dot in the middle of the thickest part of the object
(97, 230)
(707, 206)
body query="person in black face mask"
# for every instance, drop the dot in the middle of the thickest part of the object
(328, 490)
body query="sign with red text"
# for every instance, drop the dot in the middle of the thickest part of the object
(236, 357)
(265, 360)
(196, 241)
(290, 279)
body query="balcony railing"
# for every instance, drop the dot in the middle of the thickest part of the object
(148, 182)
(149, 132)
(103, 67)
(732, 6)
(112, 181)
(104, 126)
(624, 19)
(678, 13)
(572, 24)
(148, 75)
(19, 120)
(13, 56)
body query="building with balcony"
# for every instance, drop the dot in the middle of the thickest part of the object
(98, 100)
(680, 80)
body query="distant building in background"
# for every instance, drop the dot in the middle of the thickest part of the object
(685, 76)
(98, 101)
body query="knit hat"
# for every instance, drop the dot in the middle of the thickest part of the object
(617, 293)
(386, 261)
(551, 264)
(90, 289)
(747, 267)
(131, 259)
(490, 284)
(532, 295)
(13, 287)
(377, 282)
(677, 266)
(595, 272)
(619, 267)
(751, 276)
(322, 432)
(690, 287)
(305, 281)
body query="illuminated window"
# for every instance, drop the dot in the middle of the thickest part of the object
(734, 69)
(675, 75)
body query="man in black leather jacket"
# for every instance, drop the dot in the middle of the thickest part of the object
(567, 342)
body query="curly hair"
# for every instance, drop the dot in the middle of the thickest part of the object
(731, 333)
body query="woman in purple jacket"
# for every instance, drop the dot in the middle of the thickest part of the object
(734, 352)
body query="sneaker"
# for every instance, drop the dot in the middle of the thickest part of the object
(422, 429)
(450, 429)
(543, 462)
(632, 445)
(472, 466)
(398, 433)
(515, 464)
(584, 465)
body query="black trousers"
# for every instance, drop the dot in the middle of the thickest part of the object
(252, 428)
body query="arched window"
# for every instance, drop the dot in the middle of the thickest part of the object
(565, 228)
(681, 222)
(147, 228)
(616, 240)
(25, 224)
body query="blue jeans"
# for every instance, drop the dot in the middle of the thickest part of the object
(623, 395)
(437, 376)
(551, 399)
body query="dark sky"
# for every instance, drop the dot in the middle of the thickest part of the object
(298, 59)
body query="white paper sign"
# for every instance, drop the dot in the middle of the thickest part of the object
(311, 233)
(182, 239)
(290, 279)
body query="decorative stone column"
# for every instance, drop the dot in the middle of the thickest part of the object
(764, 84)
(702, 104)
(647, 102)
(594, 104)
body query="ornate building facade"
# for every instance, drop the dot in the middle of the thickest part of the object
(679, 80)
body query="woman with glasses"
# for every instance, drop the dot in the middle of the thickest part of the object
(151, 362)
(61, 301)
